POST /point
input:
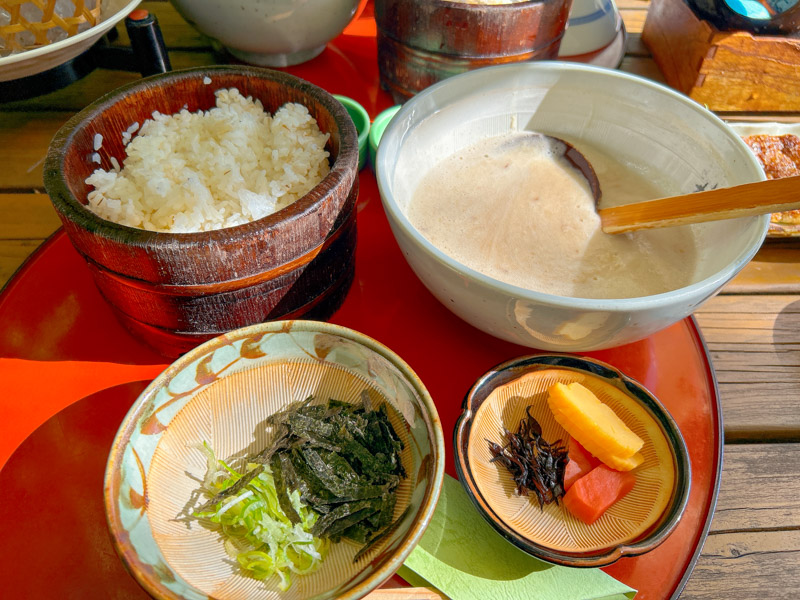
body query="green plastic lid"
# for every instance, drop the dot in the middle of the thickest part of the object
(378, 127)
(361, 120)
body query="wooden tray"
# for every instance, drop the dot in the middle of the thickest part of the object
(723, 70)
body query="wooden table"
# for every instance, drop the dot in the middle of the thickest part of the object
(752, 330)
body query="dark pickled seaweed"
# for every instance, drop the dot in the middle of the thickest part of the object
(535, 465)
(344, 460)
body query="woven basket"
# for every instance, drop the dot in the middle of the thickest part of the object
(22, 32)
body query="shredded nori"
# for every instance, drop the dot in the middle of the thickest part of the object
(344, 460)
(281, 491)
(534, 464)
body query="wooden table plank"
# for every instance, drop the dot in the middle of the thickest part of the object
(633, 18)
(28, 220)
(173, 27)
(759, 488)
(75, 97)
(13, 254)
(27, 216)
(755, 351)
(773, 269)
(747, 565)
(749, 417)
(24, 139)
(644, 67)
(755, 534)
(635, 47)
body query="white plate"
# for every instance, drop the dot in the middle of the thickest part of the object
(31, 62)
(776, 230)
(771, 128)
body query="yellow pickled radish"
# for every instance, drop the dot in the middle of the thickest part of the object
(623, 464)
(595, 425)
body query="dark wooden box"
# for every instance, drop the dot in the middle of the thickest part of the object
(724, 70)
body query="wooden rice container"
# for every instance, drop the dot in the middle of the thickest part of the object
(176, 290)
(421, 42)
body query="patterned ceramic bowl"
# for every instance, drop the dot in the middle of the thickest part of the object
(636, 524)
(221, 393)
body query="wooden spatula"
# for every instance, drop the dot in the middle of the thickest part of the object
(746, 200)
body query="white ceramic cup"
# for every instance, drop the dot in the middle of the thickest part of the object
(592, 25)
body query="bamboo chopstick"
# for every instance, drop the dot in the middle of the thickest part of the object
(746, 200)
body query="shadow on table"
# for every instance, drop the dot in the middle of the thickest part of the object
(785, 337)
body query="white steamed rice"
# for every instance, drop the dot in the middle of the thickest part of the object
(207, 170)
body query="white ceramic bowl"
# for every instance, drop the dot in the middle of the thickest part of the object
(664, 134)
(274, 33)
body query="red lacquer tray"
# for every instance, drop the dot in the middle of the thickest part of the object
(70, 372)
